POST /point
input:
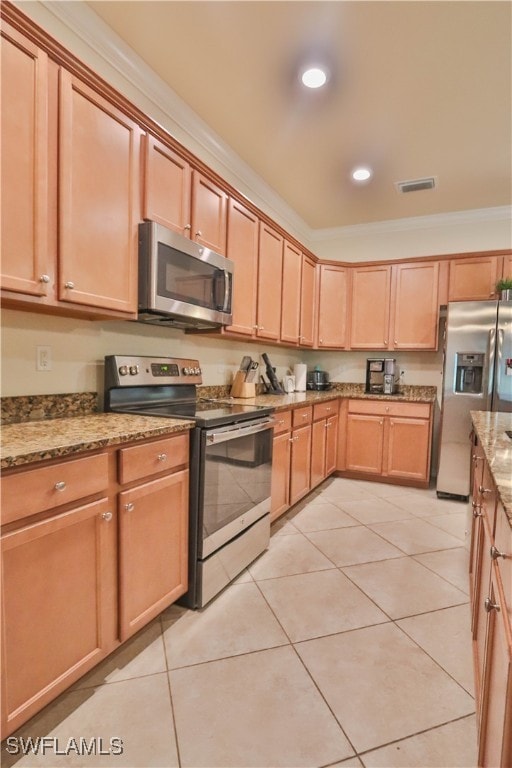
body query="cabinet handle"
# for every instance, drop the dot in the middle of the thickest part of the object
(395, 342)
(44, 279)
(162, 457)
(483, 490)
(321, 341)
(129, 507)
(490, 606)
(385, 342)
(187, 226)
(387, 407)
(69, 285)
(477, 458)
(199, 233)
(60, 485)
(107, 516)
(495, 553)
(477, 512)
(380, 421)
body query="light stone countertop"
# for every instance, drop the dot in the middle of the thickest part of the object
(28, 442)
(490, 427)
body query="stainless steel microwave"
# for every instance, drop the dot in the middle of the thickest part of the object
(182, 284)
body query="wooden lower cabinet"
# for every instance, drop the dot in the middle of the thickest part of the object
(86, 562)
(281, 455)
(491, 604)
(58, 605)
(389, 439)
(291, 462)
(300, 463)
(324, 440)
(153, 541)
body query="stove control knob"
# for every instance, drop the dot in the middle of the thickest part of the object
(123, 370)
(186, 371)
(134, 369)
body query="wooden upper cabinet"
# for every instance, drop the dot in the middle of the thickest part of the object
(332, 306)
(27, 267)
(209, 213)
(474, 278)
(371, 298)
(242, 249)
(415, 305)
(167, 186)
(291, 296)
(99, 200)
(507, 267)
(269, 283)
(307, 303)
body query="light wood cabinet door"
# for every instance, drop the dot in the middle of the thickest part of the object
(167, 186)
(99, 200)
(243, 251)
(408, 448)
(58, 605)
(300, 463)
(27, 266)
(507, 267)
(364, 446)
(209, 213)
(280, 493)
(331, 445)
(291, 294)
(473, 279)
(332, 307)
(270, 273)
(318, 452)
(495, 743)
(371, 298)
(415, 305)
(153, 544)
(307, 303)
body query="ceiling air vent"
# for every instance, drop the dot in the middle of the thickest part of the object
(415, 185)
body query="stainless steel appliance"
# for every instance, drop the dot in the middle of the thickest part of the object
(318, 380)
(230, 464)
(382, 376)
(182, 284)
(477, 377)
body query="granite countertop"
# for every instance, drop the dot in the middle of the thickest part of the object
(408, 394)
(28, 442)
(490, 428)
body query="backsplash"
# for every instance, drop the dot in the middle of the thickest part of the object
(38, 407)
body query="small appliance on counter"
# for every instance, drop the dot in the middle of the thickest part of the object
(300, 372)
(382, 376)
(318, 380)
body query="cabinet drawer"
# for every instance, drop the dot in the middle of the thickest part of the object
(386, 408)
(148, 459)
(325, 410)
(27, 493)
(283, 422)
(301, 416)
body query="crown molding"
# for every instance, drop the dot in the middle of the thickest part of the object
(140, 84)
(415, 223)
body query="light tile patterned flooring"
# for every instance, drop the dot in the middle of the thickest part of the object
(346, 644)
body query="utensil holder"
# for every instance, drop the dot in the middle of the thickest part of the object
(240, 388)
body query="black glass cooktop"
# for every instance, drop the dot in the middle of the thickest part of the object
(205, 414)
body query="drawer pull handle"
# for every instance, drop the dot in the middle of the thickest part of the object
(162, 457)
(495, 553)
(70, 284)
(44, 279)
(477, 512)
(490, 606)
(129, 507)
(107, 516)
(483, 490)
(60, 485)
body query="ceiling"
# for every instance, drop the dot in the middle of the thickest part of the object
(416, 89)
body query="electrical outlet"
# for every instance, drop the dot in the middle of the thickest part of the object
(43, 358)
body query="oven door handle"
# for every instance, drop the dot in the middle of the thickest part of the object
(234, 431)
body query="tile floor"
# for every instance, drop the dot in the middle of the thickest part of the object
(345, 644)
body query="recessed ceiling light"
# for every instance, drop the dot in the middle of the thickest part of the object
(361, 174)
(314, 77)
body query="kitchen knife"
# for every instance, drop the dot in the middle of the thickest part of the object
(246, 363)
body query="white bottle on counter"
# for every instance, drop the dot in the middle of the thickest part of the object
(300, 372)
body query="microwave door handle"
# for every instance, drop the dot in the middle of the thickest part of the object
(227, 285)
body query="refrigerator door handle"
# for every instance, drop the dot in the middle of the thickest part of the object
(488, 387)
(497, 366)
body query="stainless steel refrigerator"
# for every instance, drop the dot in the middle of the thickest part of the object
(477, 377)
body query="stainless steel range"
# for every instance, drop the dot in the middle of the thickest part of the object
(230, 464)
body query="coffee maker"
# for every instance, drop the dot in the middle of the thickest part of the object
(382, 376)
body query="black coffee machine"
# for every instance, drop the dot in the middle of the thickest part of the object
(382, 376)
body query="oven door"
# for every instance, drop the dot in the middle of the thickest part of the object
(236, 478)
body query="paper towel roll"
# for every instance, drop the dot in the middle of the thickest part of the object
(300, 371)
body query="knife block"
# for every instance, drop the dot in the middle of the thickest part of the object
(240, 388)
